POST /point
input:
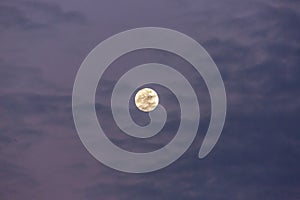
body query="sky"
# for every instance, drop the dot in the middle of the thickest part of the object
(254, 43)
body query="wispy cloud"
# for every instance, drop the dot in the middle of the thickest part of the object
(30, 15)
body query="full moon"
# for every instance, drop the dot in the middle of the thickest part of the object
(146, 99)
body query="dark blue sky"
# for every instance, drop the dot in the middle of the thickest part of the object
(256, 46)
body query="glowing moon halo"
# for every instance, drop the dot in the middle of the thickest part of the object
(146, 99)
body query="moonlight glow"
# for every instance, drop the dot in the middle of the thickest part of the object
(146, 99)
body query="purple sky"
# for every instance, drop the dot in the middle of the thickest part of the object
(256, 46)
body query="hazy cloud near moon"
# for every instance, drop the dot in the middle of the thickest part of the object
(255, 44)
